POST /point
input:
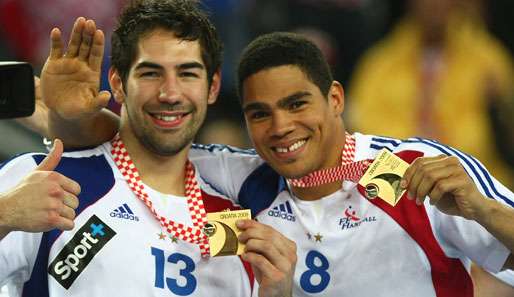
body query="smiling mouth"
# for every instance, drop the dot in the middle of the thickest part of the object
(165, 120)
(292, 148)
(168, 118)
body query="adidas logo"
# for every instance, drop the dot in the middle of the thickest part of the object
(283, 211)
(124, 212)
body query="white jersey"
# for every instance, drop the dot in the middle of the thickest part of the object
(117, 247)
(351, 246)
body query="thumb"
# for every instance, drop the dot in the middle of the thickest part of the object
(53, 158)
(102, 99)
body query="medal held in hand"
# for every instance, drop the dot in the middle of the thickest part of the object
(223, 233)
(382, 179)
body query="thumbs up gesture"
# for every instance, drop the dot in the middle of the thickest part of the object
(42, 201)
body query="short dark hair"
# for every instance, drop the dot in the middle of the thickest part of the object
(183, 17)
(284, 48)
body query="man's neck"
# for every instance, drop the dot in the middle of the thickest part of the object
(315, 193)
(165, 174)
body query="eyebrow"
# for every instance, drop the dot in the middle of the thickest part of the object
(148, 65)
(183, 66)
(190, 65)
(282, 103)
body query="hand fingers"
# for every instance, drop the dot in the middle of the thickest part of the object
(409, 173)
(428, 176)
(101, 100)
(65, 224)
(70, 185)
(70, 201)
(50, 163)
(447, 186)
(67, 213)
(53, 158)
(87, 38)
(75, 38)
(410, 178)
(97, 51)
(260, 263)
(55, 44)
(253, 229)
(269, 249)
(267, 241)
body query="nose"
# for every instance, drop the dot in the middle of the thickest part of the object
(169, 90)
(281, 124)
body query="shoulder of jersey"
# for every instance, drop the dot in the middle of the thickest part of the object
(203, 150)
(26, 158)
(88, 152)
(485, 182)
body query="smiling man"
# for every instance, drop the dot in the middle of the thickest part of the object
(305, 185)
(347, 242)
(143, 205)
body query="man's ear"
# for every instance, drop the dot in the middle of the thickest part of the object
(336, 98)
(214, 89)
(116, 84)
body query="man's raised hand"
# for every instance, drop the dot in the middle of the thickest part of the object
(70, 79)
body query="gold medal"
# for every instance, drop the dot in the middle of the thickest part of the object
(222, 232)
(382, 179)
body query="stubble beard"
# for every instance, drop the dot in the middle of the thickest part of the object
(166, 143)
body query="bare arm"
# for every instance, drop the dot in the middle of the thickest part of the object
(72, 108)
(89, 131)
(487, 285)
(447, 185)
(498, 219)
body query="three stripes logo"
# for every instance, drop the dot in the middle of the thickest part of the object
(283, 211)
(124, 212)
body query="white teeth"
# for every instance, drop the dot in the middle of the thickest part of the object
(292, 147)
(166, 118)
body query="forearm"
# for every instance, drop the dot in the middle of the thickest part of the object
(498, 220)
(38, 121)
(4, 228)
(89, 131)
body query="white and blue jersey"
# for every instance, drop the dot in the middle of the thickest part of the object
(351, 246)
(117, 247)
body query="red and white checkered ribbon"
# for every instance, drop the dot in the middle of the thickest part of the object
(349, 170)
(193, 194)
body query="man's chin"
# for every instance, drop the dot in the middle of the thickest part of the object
(166, 149)
(292, 171)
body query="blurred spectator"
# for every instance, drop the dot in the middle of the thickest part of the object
(25, 25)
(436, 75)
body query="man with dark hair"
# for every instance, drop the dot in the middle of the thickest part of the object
(166, 71)
(420, 247)
(349, 241)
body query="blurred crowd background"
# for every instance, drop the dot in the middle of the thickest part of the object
(441, 69)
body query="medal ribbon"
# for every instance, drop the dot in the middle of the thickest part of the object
(349, 170)
(193, 194)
